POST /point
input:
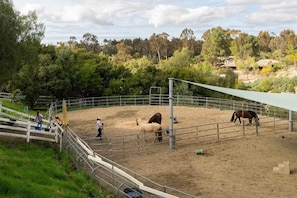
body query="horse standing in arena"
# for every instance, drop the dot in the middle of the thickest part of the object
(157, 117)
(150, 127)
(245, 114)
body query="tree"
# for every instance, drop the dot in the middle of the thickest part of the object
(10, 30)
(215, 46)
(188, 38)
(28, 82)
(181, 59)
(90, 42)
(20, 45)
(159, 44)
(264, 40)
(123, 53)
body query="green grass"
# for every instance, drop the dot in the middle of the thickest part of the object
(39, 170)
(20, 107)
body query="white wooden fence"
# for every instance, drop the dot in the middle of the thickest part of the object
(21, 125)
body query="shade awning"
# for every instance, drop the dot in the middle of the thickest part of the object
(282, 100)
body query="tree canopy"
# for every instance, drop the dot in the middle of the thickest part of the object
(88, 68)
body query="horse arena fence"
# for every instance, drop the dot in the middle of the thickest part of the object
(98, 158)
(273, 120)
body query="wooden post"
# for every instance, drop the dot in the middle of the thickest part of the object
(28, 132)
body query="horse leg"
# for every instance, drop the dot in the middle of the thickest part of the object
(250, 122)
(235, 119)
(145, 140)
(158, 136)
(239, 120)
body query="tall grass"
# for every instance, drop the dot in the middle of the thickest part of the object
(39, 170)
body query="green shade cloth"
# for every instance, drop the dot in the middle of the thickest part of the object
(282, 100)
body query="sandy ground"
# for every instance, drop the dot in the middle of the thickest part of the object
(233, 168)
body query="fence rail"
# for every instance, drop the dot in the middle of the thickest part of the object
(162, 100)
(112, 175)
(20, 125)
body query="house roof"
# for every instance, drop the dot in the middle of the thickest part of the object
(266, 62)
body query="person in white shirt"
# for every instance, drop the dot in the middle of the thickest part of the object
(99, 128)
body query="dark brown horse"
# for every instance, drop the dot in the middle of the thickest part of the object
(245, 114)
(157, 117)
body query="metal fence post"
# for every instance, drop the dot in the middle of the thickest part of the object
(243, 129)
(171, 133)
(218, 132)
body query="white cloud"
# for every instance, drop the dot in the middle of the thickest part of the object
(119, 18)
(172, 15)
(251, 1)
(274, 13)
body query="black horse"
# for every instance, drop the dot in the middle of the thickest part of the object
(245, 114)
(157, 117)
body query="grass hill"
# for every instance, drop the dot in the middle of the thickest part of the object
(39, 170)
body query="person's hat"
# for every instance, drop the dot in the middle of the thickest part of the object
(98, 118)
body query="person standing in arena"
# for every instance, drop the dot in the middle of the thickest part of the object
(99, 128)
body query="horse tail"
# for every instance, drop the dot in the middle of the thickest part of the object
(233, 117)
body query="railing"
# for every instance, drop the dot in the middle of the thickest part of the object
(163, 100)
(20, 125)
(41, 100)
(112, 175)
(132, 144)
(273, 119)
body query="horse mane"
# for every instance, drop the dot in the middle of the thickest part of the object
(253, 114)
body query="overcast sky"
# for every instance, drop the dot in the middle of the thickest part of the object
(118, 19)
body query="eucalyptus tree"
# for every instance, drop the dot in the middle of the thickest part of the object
(109, 47)
(245, 49)
(188, 38)
(159, 45)
(264, 38)
(90, 42)
(140, 48)
(245, 45)
(215, 45)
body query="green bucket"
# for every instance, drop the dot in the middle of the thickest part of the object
(199, 152)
